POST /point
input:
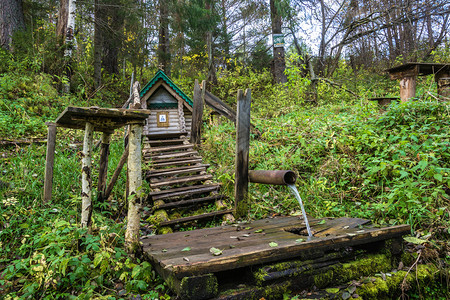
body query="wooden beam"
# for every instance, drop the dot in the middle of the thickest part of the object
(86, 178)
(116, 173)
(197, 113)
(407, 88)
(49, 161)
(103, 170)
(242, 151)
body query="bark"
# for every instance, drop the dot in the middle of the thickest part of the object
(164, 42)
(11, 21)
(70, 44)
(86, 178)
(112, 39)
(98, 44)
(212, 77)
(61, 24)
(279, 64)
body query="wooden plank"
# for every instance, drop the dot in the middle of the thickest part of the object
(197, 114)
(286, 249)
(177, 162)
(177, 159)
(168, 148)
(165, 136)
(242, 151)
(181, 180)
(49, 161)
(196, 217)
(154, 143)
(172, 172)
(150, 173)
(184, 191)
(219, 106)
(116, 173)
(188, 202)
(173, 155)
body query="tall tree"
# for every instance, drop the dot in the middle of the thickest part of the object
(164, 38)
(98, 43)
(11, 20)
(212, 77)
(61, 24)
(279, 64)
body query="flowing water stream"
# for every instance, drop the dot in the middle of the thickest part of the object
(297, 195)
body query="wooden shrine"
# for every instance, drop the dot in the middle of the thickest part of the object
(170, 108)
(407, 74)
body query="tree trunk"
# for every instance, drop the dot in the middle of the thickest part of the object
(164, 42)
(212, 78)
(11, 20)
(98, 44)
(279, 64)
(70, 44)
(61, 24)
(112, 39)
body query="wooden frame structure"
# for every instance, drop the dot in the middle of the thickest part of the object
(407, 74)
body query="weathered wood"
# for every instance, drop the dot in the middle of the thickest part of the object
(116, 173)
(163, 136)
(196, 217)
(180, 180)
(135, 179)
(175, 171)
(86, 178)
(49, 161)
(242, 152)
(253, 248)
(183, 191)
(103, 170)
(407, 88)
(159, 157)
(178, 161)
(444, 87)
(156, 176)
(154, 143)
(197, 114)
(188, 202)
(169, 148)
(103, 119)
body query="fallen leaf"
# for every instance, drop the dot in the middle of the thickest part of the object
(246, 235)
(164, 250)
(273, 244)
(215, 251)
(414, 240)
(259, 231)
(299, 240)
(187, 249)
(185, 258)
(351, 234)
(332, 290)
(322, 222)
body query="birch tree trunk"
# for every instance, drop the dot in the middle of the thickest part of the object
(70, 44)
(86, 178)
(135, 179)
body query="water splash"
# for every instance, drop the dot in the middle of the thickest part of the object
(297, 195)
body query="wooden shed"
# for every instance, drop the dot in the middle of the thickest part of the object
(170, 108)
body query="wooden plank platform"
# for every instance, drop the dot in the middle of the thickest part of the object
(249, 244)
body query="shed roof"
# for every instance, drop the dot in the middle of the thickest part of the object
(422, 68)
(161, 75)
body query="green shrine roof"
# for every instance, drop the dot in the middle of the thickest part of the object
(161, 75)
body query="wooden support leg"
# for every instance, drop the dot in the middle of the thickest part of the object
(86, 178)
(49, 161)
(103, 170)
(135, 181)
(407, 88)
(197, 113)
(242, 150)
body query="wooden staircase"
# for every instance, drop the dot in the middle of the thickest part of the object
(181, 189)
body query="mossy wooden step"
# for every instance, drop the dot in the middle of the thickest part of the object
(195, 201)
(185, 191)
(180, 180)
(175, 171)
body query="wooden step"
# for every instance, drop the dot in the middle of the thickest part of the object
(154, 143)
(170, 148)
(173, 155)
(196, 217)
(188, 202)
(189, 170)
(177, 162)
(161, 136)
(181, 180)
(150, 173)
(183, 191)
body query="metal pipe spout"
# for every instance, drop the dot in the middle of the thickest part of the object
(277, 177)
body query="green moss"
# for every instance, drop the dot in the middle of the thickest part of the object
(199, 287)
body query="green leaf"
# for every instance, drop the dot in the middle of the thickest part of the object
(259, 231)
(332, 290)
(346, 295)
(438, 177)
(136, 271)
(215, 251)
(414, 240)
(187, 249)
(299, 240)
(273, 244)
(322, 222)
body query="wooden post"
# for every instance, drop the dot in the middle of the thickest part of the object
(197, 113)
(49, 161)
(135, 179)
(407, 88)
(242, 150)
(86, 178)
(103, 170)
